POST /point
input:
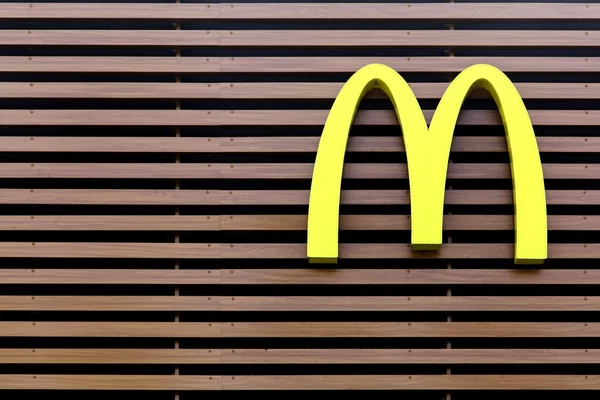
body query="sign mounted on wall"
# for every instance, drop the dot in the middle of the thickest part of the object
(427, 152)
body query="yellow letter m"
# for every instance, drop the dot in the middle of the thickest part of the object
(427, 151)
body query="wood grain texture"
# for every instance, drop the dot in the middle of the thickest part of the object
(288, 144)
(400, 64)
(109, 223)
(111, 303)
(99, 64)
(99, 144)
(388, 117)
(455, 38)
(410, 329)
(110, 382)
(150, 11)
(111, 329)
(447, 11)
(404, 356)
(400, 222)
(412, 382)
(396, 197)
(112, 356)
(373, 276)
(329, 90)
(110, 250)
(120, 276)
(403, 250)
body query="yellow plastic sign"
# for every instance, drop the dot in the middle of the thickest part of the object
(427, 151)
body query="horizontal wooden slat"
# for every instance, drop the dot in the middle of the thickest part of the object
(299, 356)
(98, 64)
(75, 64)
(412, 382)
(400, 64)
(385, 117)
(172, 38)
(266, 117)
(109, 223)
(403, 250)
(410, 11)
(123, 90)
(111, 329)
(109, 11)
(410, 329)
(455, 38)
(263, 90)
(272, 171)
(298, 303)
(114, 356)
(400, 222)
(326, 90)
(354, 170)
(301, 276)
(112, 170)
(110, 117)
(112, 303)
(399, 356)
(465, 197)
(109, 250)
(110, 382)
(109, 196)
(394, 144)
(405, 303)
(110, 144)
(351, 11)
(401, 277)
(119, 276)
(79, 37)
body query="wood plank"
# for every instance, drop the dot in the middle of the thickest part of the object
(112, 170)
(263, 90)
(295, 144)
(400, 356)
(399, 197)
(126, 90)
(400, 64)
(344, 276)
(329, 90)
(99, 64)
(109, 223)
(110, 382)
(109, 196)
(110, 117)
(102, 144)
(396, 303)
(409, 329)
(120, 276)
(354, 170)
(145, 11)
(388, 117)
(371, 38)
(111, 329)
(109, 250)
(412, 382)
(112, 303)
(118, 37)
(113, 356)
(400, 222)
(419, 11)
(403, 251)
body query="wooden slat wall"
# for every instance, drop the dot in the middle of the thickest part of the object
(156, 162)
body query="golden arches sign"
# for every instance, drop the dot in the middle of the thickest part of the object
(427, 151)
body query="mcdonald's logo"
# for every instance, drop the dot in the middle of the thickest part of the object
(428, 150)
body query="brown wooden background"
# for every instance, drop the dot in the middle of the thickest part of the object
(156, 161)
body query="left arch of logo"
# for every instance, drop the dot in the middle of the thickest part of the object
(428, 150)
